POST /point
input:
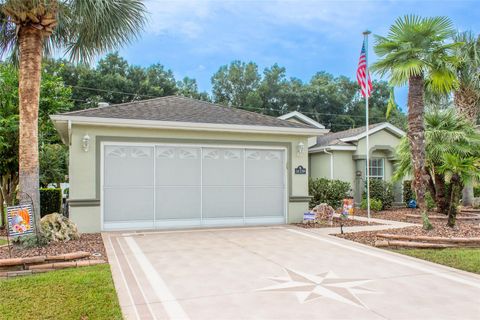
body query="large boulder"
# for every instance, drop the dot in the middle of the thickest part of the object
(56, 227)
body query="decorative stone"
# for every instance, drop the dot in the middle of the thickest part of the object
(324, 212)
(56, 227)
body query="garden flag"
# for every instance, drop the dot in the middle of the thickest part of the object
(361, 71)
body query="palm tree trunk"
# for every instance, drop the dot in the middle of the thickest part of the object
(467, 101)
(416, 137)
(440, 194)
(454, 199)
(30, 49)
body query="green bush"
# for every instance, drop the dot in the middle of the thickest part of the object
(381, 190)
(408, 193)
(50, 201)
(476, 191)
(328, 191)
(375, 204)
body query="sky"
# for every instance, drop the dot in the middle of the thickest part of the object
(195, 37)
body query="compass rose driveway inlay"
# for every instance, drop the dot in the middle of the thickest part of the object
(279, 273)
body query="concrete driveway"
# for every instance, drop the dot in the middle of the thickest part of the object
(279, 273)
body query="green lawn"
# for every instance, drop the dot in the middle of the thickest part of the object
(80, 294)
(459, 258)
(2, 242)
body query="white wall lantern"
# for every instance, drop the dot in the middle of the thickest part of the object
(86, 142)
(300, 148)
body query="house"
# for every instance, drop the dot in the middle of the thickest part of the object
(178, 162)
(342, 155)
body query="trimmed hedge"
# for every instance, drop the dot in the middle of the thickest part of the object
(328, 191)
(50, 201)
(381, 190)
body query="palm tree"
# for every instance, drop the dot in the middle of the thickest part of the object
(458, 171)
(467, 95)
(445, 132)
(415, 53)
(82, 29)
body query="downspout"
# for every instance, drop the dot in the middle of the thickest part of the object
(69, 132)
(331, 163)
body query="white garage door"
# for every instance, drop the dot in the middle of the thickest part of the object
(163, 186)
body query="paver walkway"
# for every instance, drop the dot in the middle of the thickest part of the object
(280, 273)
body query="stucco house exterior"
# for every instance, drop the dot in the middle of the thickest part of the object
(342, 155)
(178, 162)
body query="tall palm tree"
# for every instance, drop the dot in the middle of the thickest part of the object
(82, 29)
(467, 95)
(415, 53)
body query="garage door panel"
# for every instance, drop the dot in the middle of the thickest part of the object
(264, 202)
(264, 168)
(128, 166)
(177, 166)
(220, 202)
(128, 204)
(222, 167)
(178, 203)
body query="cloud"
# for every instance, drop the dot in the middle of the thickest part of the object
(182, 17)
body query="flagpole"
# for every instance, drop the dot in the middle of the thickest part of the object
(367, 175)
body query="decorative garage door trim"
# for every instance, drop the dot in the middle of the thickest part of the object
(187, 185)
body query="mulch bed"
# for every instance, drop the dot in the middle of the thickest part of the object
(398, 214)
(461, 230)
(336, 223)
(90, 242)
(3, 232)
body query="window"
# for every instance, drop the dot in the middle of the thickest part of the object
(376, 168)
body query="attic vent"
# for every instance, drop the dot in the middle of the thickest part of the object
(103, 104)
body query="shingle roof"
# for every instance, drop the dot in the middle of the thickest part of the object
(334, 139)
(182, 109)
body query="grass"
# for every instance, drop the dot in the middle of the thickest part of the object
(2, 242)
(460, 258)
(80, 293)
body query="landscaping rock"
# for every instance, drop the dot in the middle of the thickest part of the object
(56, 227)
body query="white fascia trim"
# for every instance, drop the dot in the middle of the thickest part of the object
(301, 116)
(332, 148)
(387, 126)
(114, 122)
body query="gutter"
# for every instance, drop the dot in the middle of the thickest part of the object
(331, 163)
(177, 125)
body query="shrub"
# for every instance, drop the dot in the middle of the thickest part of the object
(381, 190)
(30, 241)
(50, 201)
(476, 191)
(328, 191)
(408, 193)
(375, 204)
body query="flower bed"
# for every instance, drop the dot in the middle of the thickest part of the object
(90, 242)
(336, 223)
(462, 230)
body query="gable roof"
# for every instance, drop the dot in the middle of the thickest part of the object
(303, 118)
(176, 112)
(343, 140)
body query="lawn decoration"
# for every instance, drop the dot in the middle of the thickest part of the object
(324, 212)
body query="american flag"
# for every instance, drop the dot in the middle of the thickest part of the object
(362, 69)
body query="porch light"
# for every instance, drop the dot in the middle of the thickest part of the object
(300, 148)
(86, 142)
